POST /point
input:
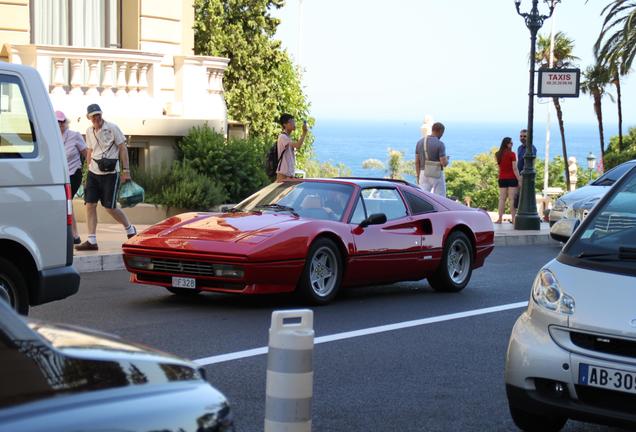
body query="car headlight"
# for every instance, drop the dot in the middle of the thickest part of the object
(229, 271)
(559, 205)
(547, 292)
(139, 262)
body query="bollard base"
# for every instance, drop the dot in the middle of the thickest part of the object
(272, 426)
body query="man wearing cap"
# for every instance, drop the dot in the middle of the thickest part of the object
(107, 156)
(75, 148)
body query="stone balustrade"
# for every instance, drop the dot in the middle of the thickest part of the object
(91, 71)
(138, 89)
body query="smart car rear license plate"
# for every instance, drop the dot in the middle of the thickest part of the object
(611, 379)
(181, 282)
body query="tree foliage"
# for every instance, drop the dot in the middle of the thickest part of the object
(395, 167)
(261, 82)
(614, 156)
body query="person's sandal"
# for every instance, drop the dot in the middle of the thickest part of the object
(87, 246)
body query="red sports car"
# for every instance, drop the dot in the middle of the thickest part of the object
(315, 236)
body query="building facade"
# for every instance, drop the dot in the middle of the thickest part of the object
(133, 57)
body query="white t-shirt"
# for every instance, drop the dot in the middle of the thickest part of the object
(104, 143)
(287, 165)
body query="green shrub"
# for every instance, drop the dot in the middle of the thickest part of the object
(316, 169)
(189, 189)
(614, 157)
(237, 164)
(153, 181)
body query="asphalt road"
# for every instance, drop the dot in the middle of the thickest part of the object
(443, 376)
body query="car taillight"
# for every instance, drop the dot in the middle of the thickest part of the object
(69, 204)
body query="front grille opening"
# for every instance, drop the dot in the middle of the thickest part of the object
(201, 283)
(604, 344)
(608, 399)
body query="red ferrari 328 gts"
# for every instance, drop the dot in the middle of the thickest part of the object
(315, 236)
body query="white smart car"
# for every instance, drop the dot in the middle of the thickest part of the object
(572, 353)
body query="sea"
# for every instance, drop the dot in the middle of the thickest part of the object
(352, 142)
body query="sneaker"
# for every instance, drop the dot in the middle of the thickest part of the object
(77, 240)
(87, 246)
(134, 233)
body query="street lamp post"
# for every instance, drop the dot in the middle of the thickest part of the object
(591, 163)
(527, 216)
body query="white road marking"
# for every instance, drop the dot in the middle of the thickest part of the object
(365, 332)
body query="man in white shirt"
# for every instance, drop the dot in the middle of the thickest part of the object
(107, 157)
(285, 145)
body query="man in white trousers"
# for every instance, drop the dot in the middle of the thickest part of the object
(432, 151)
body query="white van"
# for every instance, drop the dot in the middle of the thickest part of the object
(36, 255)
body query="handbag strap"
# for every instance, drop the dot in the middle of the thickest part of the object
(104, 153)
(424, 145)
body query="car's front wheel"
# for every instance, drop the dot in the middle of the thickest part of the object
(536, 423)
(455, 269)
(13, 288)
(322, 275)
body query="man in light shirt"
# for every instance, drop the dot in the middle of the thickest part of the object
(432, 149)
(105, 142)
(285, 145)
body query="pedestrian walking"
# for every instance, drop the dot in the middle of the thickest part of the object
(508, 177)
(108, 165)
(75, 148)
(430, 160)
(285, 146)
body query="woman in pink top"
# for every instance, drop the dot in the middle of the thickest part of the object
(75, 153)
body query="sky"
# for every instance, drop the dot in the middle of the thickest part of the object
(461, 60)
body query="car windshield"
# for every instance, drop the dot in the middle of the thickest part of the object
(311, 199)
(610, 177)
(609, 235)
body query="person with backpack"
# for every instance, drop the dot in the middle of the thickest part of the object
(286, 165)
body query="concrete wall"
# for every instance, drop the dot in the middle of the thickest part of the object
(15, 26)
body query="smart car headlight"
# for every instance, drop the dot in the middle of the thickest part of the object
(559, 205)
(547, 292)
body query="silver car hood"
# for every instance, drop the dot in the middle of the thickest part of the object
(604, 301)
(584, 193)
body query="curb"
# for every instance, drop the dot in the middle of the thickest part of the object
(114, 261)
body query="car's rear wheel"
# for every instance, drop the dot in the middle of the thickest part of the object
(322, 275)
(536, 423)
(183, 292)
(456, 267)
(13, 288)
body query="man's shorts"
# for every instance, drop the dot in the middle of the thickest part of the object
(102, 188)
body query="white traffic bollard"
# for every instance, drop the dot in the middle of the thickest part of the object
(290, 372)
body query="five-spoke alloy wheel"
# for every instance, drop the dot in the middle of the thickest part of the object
(323, 272)
(456, 267)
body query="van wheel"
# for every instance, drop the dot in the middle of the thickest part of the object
(13, 289)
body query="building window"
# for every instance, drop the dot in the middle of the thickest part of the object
(79, 23)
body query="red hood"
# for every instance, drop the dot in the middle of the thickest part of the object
(227, 227)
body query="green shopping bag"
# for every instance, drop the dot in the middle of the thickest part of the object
(130, 194)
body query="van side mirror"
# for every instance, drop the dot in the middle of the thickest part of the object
(563, 229)
(374, 219)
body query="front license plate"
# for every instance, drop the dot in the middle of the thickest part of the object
(181, 282)
(611, 379)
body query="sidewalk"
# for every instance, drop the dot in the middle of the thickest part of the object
(110, 237)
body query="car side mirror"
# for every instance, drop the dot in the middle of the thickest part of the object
(563, 229)
(374, 219)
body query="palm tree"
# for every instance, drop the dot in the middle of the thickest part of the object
(616, 47)
(563, 56)
(596, 79)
